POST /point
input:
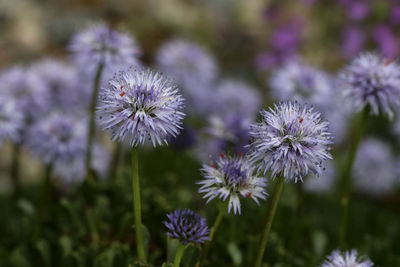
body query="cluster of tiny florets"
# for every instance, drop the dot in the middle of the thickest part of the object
(140, 105)
(291, 140)
(187, 226)
(232, 177)
(346, 259)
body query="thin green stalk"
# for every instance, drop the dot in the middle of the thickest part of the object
(221, 213)
(270, 218)
(136, 206)
(179, 253)
(346, 176)
(92, 121)
(14, 171)
(46, 194)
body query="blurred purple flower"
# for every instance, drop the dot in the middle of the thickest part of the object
(374, 168)
(298, 81)
(232, 177)
(27, 90)
(186, 139)
(187, 226)
(101, 44)
(287, 37)
(395, 14)
(357, 10)
(291, 140)
(11, 120)
(58, 137)
(386, 40)
(234, 96)
(371, 80)
(186, 61)
(323, 183)
(353, 39)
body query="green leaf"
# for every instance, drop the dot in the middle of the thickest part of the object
(191, 256)
(44, 251)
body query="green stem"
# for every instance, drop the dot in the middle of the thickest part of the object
(92, 121)
(346, 176)
(14, 171)
(46, 194)
(270, 218)
(179, 253)
(136, 206)
(221, 213)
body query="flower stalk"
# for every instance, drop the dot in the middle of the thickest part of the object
(270, 218)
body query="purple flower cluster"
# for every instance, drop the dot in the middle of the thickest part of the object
(232, 177)
(101, 44)
(346, 259)
(187, 226)
(291, 140)
(140, 105)
(373, 81)
(11, 120)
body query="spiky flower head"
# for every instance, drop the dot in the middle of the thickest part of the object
(346, 259)
(101, 44)
(11, 120)
(187, 226)
(186, 61)
(140, 105)
(374, 168)
(291, 140)
(232, 177)
(58, 137)
(299, 81)
(373, 81)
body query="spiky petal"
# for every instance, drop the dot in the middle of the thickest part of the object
(187, 226)
(232, 177)
(140, 105)
(291, 140)
(346, 259)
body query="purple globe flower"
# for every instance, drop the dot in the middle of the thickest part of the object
(346, 259)
(187, 226)
(27, 90)
(232, 177)
(353, 40)
(140, 105)
(300, 82)
(186, 61)
(57, 138)
(11, 120)
(234, 96)
(291, 140)
(61, 81)
(374, 168)
(373, 81)
(101, 44)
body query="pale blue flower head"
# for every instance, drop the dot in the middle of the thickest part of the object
(374, 168)
(186, 61)
(298, 81)
(27, 90)
(290, 140)
(232, 177)
(101, 44)
(58, 137)
(140, 106)
(234, 96)
(61, 82)
(187, 226)
(373, 81)
(346, 259)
